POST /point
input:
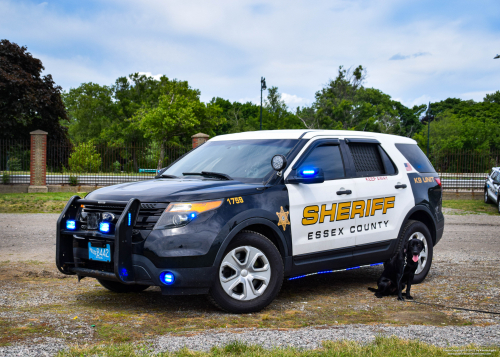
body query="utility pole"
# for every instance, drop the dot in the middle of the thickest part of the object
(262, 87)
(428, 118)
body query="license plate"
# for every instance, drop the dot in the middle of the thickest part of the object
(100, 254)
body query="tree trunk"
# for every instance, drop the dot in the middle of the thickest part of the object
(162, 155)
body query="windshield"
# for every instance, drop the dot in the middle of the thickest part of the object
(243, 160)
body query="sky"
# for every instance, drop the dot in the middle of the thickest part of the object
(415, 51)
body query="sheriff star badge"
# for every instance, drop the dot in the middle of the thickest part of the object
(283, 218)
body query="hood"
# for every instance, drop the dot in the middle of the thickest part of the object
(174, 190)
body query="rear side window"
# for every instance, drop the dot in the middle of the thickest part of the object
(329, 159)
(416, 157)
(371, 160)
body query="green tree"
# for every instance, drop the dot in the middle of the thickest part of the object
(335, 105)
(85, 158)
(276, 114)
(345, 104)
(91, 110)
(492, 98)
(239, 117)
(179, 112)
(28, 100)
(467, 126)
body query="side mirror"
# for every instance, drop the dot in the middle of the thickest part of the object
(306, 175)
(278, 162)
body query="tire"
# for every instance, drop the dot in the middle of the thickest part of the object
(498, 204)
(117, 287)
(238, 288)
(419, 230)
(487, 198)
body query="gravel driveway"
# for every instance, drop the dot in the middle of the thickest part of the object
(465, 273)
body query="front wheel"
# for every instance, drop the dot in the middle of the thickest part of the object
(249, 276)
(486, 196)
(417, 229)
(117, 287)
(498, 203)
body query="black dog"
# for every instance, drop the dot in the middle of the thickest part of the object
(399, 270)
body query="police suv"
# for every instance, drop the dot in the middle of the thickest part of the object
(492, 186)
(242, 212)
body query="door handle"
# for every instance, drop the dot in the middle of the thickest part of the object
(400, 186)
(344, 192)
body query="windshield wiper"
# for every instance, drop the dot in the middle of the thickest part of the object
(168, 176)
(208, 174)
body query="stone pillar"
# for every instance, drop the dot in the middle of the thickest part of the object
(38, 162)
(199, 139)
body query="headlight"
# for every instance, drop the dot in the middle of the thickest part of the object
(179, 214)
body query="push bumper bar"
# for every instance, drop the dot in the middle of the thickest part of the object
(122, 255)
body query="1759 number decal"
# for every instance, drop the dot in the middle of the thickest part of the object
(235, 200)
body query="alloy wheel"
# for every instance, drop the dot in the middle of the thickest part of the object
(245, 273)
(422, 258)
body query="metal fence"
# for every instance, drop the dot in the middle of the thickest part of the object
(464, 170)
(102, 165)
(87, 164)
(15, 161)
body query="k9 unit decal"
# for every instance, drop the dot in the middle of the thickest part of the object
(423, 179)
(346, 210)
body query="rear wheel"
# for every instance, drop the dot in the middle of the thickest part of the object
(117, 287)
(498, 204)
(249, 276)
(417, 229)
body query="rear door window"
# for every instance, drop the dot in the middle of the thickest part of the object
(371, 160)
(416, 158)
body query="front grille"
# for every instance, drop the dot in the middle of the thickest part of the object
(149, 213)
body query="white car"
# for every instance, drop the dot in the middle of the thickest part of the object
(492, 186)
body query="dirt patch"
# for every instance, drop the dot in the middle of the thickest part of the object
(38, 301)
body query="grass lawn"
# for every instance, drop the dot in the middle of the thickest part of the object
(471, 206)
(52, 202)
(381, 347)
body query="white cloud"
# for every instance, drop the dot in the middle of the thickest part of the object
(223, 47)
(476, 96)
(149, 74)
(294, 101)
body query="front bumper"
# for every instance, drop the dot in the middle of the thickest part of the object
(125, 267)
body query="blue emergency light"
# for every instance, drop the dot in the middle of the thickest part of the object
(167, 278)
(71, 225)
(104, 227)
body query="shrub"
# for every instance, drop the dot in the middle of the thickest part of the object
(73, 180)
(5, 178)
(85, 158)
(116, 166)
(14, 164)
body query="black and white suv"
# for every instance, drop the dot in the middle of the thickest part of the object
(237, 215)
(492, 186)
